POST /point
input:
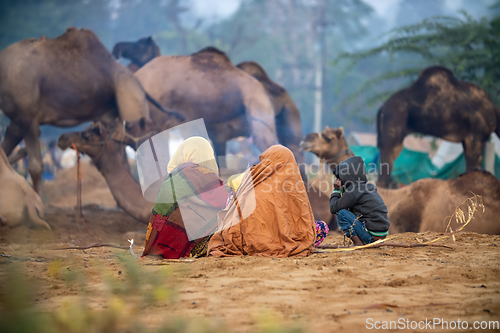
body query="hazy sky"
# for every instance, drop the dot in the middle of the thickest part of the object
(217, 9)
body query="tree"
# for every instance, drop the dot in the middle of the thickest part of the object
(469, 47)
(288, 38)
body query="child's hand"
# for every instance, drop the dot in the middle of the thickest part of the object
(337, 184)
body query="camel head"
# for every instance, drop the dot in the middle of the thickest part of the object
(139, 52)
(326, 144)
(91, 141)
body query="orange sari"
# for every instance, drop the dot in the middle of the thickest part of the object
(270, 214)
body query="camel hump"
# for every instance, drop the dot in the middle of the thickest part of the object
(474, 175)
(436, 75)
(212, 50)
(210, 58)
(81, 40)
(475, 179)
(256, 70)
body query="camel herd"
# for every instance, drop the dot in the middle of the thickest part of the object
(73, 79)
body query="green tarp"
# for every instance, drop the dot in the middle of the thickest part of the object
(413, 165)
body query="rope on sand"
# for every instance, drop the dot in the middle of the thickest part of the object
(118, 247)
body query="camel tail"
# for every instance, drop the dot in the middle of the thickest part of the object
(379, 129)
(153, 101)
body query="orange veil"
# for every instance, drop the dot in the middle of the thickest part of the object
(270, 215)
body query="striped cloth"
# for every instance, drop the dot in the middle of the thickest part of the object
(192, 193)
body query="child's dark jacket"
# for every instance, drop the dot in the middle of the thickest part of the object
(359, 196)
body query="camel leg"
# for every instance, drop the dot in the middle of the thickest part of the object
(21, 153)
(263, 133)
(299, 158)
(35, 166)
(260, 116)
(473, 150)
(13, 135)
(387, 158)
(220, 153)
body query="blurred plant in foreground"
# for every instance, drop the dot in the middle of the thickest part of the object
(125, 297)
(118, 303)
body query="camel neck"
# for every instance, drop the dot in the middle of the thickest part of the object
(338, 158)
(113, 165)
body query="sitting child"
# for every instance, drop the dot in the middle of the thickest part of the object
(361, 212)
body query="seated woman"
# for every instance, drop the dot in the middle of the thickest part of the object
(270, 214)
(185, 212)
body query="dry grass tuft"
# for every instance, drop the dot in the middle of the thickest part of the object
(471, 205)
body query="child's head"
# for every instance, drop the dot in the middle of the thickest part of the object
(352, 170)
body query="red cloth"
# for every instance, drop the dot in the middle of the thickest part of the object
(169, 239)
(200, 196)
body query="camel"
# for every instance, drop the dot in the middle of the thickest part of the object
(207, 85)
(20, 204)
(139, 52)
(330, 146)
(427, 204)
(436, 104)
(65, 81)
(424, 204)
(110, 159)
(287, 115)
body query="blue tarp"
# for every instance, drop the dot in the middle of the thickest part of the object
(413, 165)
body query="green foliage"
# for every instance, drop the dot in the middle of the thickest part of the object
(95, 299)
(125, 297)
(469, 47)
(23, 19)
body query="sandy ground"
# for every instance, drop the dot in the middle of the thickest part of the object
(326, 292)
(61, 192)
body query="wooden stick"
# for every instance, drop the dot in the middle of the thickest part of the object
(79, 188)
(370, 246)
(92, 245)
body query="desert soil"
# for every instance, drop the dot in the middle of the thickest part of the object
(327, 291)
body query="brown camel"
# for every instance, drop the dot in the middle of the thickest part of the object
(110, 159)
(440, 105)
(139, 52)
(20, 204)
(63, 82)
(287, 115)
(207, 85)
(330, 146)
(424, 204)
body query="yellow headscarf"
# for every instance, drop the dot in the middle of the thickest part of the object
(196, 150)
(235, 180)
